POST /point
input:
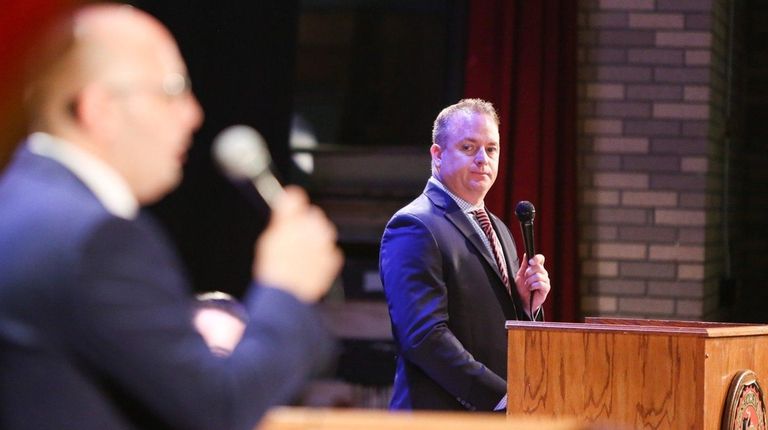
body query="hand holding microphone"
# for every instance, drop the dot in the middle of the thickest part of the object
(297, 251)
(532, 280)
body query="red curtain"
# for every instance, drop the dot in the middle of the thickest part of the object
(521, 56)
(20, 23)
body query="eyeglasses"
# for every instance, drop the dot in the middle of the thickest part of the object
(172, 87)
(176, 84)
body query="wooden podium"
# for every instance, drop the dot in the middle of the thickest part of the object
(636, 373)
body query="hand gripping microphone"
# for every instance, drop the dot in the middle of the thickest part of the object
(242, 154)
(525, 213)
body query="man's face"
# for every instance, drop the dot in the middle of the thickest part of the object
(469, 162)
(155, 115)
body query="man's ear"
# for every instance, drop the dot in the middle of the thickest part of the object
(437, 153)
(94, 108)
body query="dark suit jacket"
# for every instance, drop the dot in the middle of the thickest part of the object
(448, 306)
(95, 328)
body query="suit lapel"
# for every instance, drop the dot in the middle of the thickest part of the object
(454, 214)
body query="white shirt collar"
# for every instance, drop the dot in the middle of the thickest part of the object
(104, 181)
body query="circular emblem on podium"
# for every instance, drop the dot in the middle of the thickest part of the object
(744, 407)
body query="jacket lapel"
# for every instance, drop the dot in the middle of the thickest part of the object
(454, 214)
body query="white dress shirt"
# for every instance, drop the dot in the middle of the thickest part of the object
(104, 181)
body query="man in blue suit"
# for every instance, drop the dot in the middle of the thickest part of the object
(451, 274)
(95, 310)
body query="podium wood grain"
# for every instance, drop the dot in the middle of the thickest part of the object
(359, 419)
(640, 373)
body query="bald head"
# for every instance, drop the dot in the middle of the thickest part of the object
(110, 79)
(99, 43)
(115, 38)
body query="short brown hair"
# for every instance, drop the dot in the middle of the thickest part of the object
(444, 121)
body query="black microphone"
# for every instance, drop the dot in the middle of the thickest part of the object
(525, 213)
(242, 154)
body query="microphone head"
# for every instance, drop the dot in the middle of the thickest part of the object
(241, 152)
(525, 211)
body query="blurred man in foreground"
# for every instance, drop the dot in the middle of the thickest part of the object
(95, 312)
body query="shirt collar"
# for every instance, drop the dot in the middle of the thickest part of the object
(104, 181)
(464, 205)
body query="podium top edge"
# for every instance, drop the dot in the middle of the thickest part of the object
(694, 328)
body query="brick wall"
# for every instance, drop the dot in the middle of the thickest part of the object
(651, 90)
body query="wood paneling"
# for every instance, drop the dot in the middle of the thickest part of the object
(659, 376)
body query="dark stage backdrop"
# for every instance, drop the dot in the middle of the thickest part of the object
(522, 57)
(240, 58)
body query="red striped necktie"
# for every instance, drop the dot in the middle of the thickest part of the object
(485, 225)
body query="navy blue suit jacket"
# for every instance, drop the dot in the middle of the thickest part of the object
(447, 305)
(95, 328)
